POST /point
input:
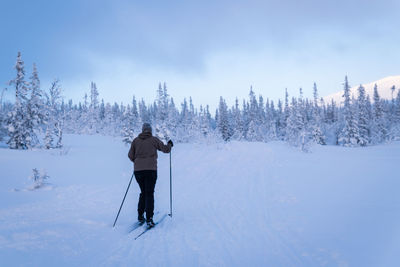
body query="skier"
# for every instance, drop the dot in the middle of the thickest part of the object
(143, 153)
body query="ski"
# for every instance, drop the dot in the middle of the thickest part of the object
(149, 228)
(136, 225)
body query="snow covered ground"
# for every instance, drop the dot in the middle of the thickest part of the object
(235, 204)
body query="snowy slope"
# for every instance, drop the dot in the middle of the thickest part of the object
(384, 90)
(235, 204)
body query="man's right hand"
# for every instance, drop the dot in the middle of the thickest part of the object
(170, 143)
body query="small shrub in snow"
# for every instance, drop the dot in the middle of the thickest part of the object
(39, 179)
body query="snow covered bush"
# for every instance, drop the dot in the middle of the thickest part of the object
(39, 179)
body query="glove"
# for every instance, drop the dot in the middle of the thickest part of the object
(170, 143)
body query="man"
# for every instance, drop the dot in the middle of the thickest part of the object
(143, 153)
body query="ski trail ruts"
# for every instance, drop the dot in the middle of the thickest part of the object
(294, 248)
(225, 222)
(257, 192)
(302, 251)
(288, 254)
(263, 186)
(130, 252)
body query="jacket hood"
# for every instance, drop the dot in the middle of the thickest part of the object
(145, 135)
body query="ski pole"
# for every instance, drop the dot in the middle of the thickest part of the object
(123, 200)
(170, 185)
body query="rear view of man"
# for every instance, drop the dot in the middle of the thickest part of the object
(143, 153)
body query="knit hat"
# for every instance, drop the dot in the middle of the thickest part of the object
(146, 128)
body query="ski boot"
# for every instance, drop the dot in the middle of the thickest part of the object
(141, 219)
(150, 223)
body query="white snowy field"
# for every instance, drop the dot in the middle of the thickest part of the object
(235, 204)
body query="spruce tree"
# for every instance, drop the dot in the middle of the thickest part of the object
(20, 129)
(237, 122)
(254, 118)
(161, 116)
(397, 108)
(36, 108)
(362, 116)
(379, 127)
(54, 125)
(292, 130)
(317, 134)
(349, 134)
(172, 119)
(3, 120)
(93, 112)
(130, 123)
(223, 120)
(302, 123)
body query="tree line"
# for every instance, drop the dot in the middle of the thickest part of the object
(38, 118)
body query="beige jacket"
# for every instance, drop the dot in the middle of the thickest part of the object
(143, 151)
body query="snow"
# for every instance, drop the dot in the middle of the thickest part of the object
(384, 90)
(235, 204)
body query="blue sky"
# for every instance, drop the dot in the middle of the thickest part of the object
(202, 49)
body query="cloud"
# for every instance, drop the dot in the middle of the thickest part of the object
(202, 48)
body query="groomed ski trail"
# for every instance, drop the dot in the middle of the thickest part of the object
(235, 204)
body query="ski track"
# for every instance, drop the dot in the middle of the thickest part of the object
(235, 204)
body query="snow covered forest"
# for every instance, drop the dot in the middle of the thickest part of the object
(39, 117)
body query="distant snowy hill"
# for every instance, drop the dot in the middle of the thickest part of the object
(384, 89)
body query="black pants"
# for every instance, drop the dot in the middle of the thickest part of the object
(147, 181)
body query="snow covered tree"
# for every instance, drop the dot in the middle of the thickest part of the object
(238, 132)
(362, 117)
(131, 123)
(36, 106)
(269, 121)
(379, 123)
(3, 117)
(127, 126)
(292, 129)
(223, 120)
(397, 108)
(254, 119)
(162, 103)
(317, 133)
(245, 118)
(296, 126)
(109, 125)
(286, 114)
(302, 123)
(144, 113)
(94, 94)
(349, 133)
(93, 111)
(193, 122)
(54, 121)
(205, 121)
(392, 105)
(102, 110)
(280, 121)
(172, 120)
(20, 129)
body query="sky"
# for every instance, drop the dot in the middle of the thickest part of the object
(203, 49)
